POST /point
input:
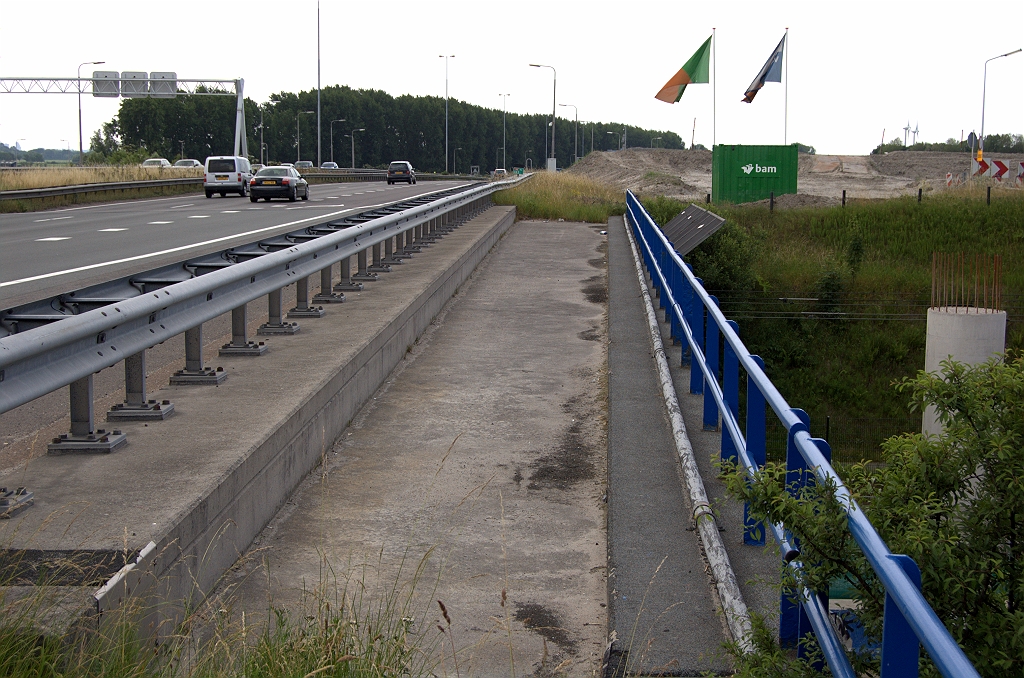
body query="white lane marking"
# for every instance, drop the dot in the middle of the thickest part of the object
(296, 208)
(160, 223)
(177, 206)
(229, 211)
(346, 195)
(182, 248)
(360, 193)
(39, 221)
(111, 230)
(200, 216)
(332, 197)
(55, 239)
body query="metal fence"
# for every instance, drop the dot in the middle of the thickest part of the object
(45, 351)
(695, 318)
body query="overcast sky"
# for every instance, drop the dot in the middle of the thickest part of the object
(855, 68)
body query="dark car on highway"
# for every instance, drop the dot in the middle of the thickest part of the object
(401, 170)
(278, 182)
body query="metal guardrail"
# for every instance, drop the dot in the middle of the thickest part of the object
(694, 316)
(78, 189)
(70, 350)
(318, 177)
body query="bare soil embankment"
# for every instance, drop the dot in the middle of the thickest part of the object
(686, 175)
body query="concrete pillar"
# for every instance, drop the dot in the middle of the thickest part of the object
(970, 335)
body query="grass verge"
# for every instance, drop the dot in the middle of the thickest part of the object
(48, 177)
(41, 204)
(563, 196)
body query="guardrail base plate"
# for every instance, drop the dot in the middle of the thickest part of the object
(100, 442)
(13, 502)
(366, 277)
(205, 377)
(297, 312)
(252, 349)
(150, 411)
(379, 269)
(283, 328)
(348, 287)
(321, 298)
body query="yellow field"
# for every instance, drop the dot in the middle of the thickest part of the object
(45, 177)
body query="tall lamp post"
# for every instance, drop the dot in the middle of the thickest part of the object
(981, 140)
(81, 151)
(298, 137)
(455, 164)
(332, 136)
(575, 133)
(504, 109)
(554, 107)
(446, 57)
(653, 140)
(618, 139)
(353, 136)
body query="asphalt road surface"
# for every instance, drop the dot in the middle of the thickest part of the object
(47, 253)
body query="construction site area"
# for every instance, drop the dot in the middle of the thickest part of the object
(686, 174)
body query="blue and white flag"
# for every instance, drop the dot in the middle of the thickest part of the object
(770, 72)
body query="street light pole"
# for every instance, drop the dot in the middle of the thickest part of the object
(575, 130)
(653, 140)
(504, 110)
(981, 140)
(298, 137)
(618, 140)
(81, 146)
(318, 135)
(554, 107)
(446, 57)
(332, 136)
(455, 165)
(353, 136)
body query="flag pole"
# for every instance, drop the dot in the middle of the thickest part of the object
(785, 114)
(714, 88)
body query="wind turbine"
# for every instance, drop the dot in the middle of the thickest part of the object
(915, 133)
(906, 131)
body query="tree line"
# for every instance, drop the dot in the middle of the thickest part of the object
(994, 143)
(405, 127)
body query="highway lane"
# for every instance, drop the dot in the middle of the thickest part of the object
(46, 253)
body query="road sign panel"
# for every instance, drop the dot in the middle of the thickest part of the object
(106, 84)
(163, 85)
(134, 84)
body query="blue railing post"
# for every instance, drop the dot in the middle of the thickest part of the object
(676, 282)
(805, 624)
(697, 328)
(711, 360)
(792, 619)
(731, 392)
(900, 647)
(753, 530)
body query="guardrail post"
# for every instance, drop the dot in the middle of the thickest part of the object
(753, 530)
(195, 372)
(346, 284)
(378, 265)
(901, 649)
(325, 295)
(302, 308)
(136, 406)
(362, 273)
(730, 393)
(411, 247)
(711, 361)
(84, 437)
(389, 251)
(697, 329)
(274, 324)
(792, 619)
(240, 344)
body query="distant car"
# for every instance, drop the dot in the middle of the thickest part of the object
(227, 173)
(159, 163)
(256, 167)
(329, 165)
(278, 182)
(303, 164)
(401, 170)
(188, 163)
(500, 173)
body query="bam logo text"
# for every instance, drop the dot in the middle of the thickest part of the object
(758, 169)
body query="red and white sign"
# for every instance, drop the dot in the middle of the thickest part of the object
(949, 179)
(1020, 173)
(999, 168)
(980, 168)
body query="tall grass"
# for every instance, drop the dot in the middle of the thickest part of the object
(549, 195)
(47, 177)
(354, 625)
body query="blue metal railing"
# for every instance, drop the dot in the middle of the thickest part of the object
(693, 314)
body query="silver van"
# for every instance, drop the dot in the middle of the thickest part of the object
(227, 174)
